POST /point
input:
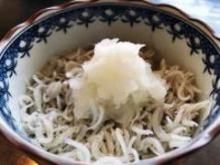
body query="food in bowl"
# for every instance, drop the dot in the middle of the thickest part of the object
(114, 102)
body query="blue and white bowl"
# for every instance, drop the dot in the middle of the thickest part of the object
(175, 36)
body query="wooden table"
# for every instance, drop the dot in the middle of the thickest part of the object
(13, 12)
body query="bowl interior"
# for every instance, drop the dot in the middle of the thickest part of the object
(173, 38)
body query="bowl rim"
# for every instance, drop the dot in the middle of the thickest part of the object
(205, 137)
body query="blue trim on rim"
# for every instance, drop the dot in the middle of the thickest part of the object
(107, 13)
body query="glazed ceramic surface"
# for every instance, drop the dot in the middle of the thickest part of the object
(54, 31)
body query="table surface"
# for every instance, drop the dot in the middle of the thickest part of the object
(13, 12)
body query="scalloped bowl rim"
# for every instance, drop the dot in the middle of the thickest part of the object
(22, 144)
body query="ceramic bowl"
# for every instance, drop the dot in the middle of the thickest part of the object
(174, 35)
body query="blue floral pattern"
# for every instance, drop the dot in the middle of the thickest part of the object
(108, 13)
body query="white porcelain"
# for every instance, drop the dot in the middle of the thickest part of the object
(174, 35)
